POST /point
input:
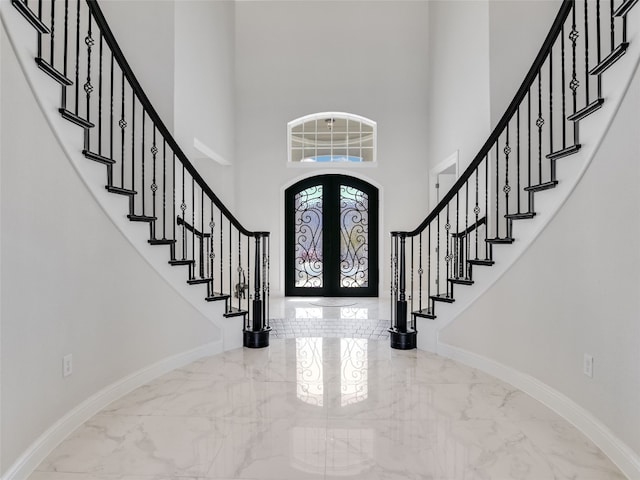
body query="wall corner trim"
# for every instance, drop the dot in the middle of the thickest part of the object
(618, 452)
(61, 429)
(209, 153)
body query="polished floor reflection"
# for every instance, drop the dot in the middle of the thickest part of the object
(326, 408)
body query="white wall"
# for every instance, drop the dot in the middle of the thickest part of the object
(205, 88)
(144, 29)
(298, 58)
(576, 290)
(70, 282)
(514, 44)
(458, 84)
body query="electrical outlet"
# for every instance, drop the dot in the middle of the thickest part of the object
(587, 365)
(67, 365)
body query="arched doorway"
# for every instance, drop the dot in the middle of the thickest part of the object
(331, 237)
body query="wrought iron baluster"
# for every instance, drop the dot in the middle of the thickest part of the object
(574, 83)
(133, 148)
(143, 155)
(456, 271)
(486, 205)
(88, 87)
(154, 185)
(497, 192)
(100, 95)
(52, 31)
(122, 124)
(174, 218)
(220, 254)
(39, 33)
(77, 83)
(257, 277)
(212, 255)
(183, 207)
(518, 186)
(599, 41)
(467, 243)
(230, 264)
(539, 124)
(476, 210)
(507, 188)
(438, 258)
(193, 229)
(613, 28)
(551, 106)
(420, 272)
(111, 79)
(586, 52)
(202, 231)
(429, 264)
(564, 91)
(391, 280)
(447, 258)
(411, 278)
(65, 54)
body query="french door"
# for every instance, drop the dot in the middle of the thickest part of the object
(331, 237)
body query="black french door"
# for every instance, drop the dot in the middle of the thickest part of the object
(331, 237)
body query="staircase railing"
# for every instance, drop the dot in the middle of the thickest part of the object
(539, 127)
(122, 130)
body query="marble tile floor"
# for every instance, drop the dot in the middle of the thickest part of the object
(330, 318)
(326, 408)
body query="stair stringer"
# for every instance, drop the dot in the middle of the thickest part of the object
(570, 170)
(69, 136)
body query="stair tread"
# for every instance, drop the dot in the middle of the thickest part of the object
(483, 262)
(120, 190)
(73, 118)
(610, 59)
(197, 281)
(234, 312)
(443, 297)
(98, 158)
(461, 281)
(141, 218)
(542, 186)
(217, 297)
(181, 262)
(520, 216)
(52, 72)
(161, 241)
(498, 240)
(424, 313)
(586, 111)
(565, 152)
(31, 17)
(624, 8)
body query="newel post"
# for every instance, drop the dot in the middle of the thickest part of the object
(258, 334)
(401, 337)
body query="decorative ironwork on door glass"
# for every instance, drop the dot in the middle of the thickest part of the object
(308, 237)
(354, 237)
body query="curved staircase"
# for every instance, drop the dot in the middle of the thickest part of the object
(111, 122)
(521, 176)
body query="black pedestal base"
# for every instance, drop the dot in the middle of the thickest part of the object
(258, 339)
(402, 340)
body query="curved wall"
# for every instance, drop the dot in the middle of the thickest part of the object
(576, 290)
(71, 283)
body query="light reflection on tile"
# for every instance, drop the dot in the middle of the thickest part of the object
(326, 408)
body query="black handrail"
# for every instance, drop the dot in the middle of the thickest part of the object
(109, 38)
(556, 28)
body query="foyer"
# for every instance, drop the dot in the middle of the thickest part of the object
(326, 408)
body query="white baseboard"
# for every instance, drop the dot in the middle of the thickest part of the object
(624, 457)
(54, 435)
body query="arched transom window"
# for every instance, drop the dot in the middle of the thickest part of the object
(332, 137)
